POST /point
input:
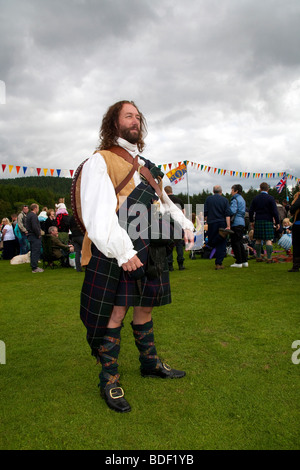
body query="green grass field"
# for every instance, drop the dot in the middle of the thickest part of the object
(231, 330)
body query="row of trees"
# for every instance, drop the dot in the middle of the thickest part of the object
(248, 196)
(46, 190)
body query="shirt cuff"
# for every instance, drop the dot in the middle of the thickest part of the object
(126, 257)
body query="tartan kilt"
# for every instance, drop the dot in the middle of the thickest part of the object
(106, 284)
(263, 230)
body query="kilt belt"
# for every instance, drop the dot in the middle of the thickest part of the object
(106, 284)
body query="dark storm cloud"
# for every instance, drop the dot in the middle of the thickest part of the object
(219, 82)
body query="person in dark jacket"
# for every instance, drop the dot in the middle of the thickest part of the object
(50, 221)
(262, 214)
(34, 237)
(77, 240)
(295, 212)
(217, 214)
(179, 244)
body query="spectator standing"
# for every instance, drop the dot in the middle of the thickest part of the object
(8, 238)
(50, 221)
(42, 218)
(77, 240)
(217, 214)
(237, 212)
(34, 237)
(14, 220)
(21, 220)
(263, 213)
(178, 243)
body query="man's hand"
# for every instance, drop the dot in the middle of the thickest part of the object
(188, 238)
(133, 264)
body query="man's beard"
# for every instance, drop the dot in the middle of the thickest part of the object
(128, 135)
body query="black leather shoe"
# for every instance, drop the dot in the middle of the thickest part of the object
(113, 394)
(164, 371)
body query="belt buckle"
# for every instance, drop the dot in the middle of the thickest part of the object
(116, 392)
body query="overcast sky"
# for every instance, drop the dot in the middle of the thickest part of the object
(217, 80)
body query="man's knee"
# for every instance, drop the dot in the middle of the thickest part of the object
(118, 314)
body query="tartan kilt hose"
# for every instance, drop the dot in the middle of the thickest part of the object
(263, 230)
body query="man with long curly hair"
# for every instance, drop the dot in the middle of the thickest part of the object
(118, 272)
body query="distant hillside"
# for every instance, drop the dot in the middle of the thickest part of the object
(44, 190)
(55, 184)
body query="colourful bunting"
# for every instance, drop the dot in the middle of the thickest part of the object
(166, 166)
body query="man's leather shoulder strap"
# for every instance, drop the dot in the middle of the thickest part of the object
(142, 170)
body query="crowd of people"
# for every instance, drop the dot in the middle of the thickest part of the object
(25, 232)
(230, 224)
(226, 223)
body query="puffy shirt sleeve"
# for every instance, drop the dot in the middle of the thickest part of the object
(98, 204)
(176, 213)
